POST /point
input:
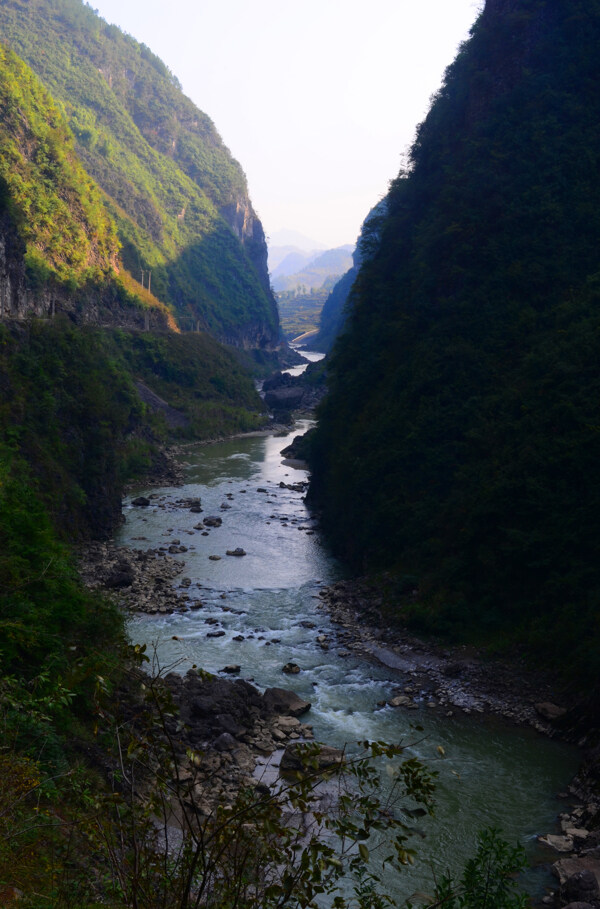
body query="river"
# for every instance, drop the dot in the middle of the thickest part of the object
(266, 602)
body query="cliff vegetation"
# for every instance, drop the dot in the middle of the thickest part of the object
(459, 442)
(177, 197)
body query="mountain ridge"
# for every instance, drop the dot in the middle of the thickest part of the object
(314, 271)
(179, 200)
(463, 390)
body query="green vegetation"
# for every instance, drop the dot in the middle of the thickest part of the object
(167, 180)
(300, 312)
(198, 377)
(333, 313)
(459, 441)
(57, 643)
(55, 206)
(488, 879)
(70, 408)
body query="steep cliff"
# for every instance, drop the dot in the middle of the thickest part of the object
(58, 246)
(70, 412)
(459, 439)
(178, 198)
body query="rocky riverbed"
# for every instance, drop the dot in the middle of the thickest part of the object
(234, 727)
(223, 727)
(447, 679)
(461, 679)
(228, 723)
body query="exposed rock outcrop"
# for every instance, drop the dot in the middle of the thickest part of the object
(97, 305)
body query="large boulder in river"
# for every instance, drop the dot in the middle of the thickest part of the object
(213, 705)
(278, 380)
(311, 758)
(284, 398)
(281, 702)
(581, 887)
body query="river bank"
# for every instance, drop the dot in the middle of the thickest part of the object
(236, 728)
(248, 618)
(145, 581)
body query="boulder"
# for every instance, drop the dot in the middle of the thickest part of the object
(565, 868)
(287, 398)
(284, 703)
(559, 843)
(294, 758)
(401, 701)
(581, 887)
(209, 700)
(140, 502)
(230, 725)
(213, 521)
(289, 723)
(291, 669)
(225, 742)
(278, 380)
(238, 551)
(550, 711)
(121, 575)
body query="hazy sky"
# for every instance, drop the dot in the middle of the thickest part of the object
(317, 99)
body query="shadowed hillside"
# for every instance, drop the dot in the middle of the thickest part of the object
(459, 441)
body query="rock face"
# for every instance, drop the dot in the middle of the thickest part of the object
(282, 701)
(245, 224)
(19, 298)
(295, 758)
(226, 725)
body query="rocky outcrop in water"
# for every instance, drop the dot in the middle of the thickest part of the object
(284, 393)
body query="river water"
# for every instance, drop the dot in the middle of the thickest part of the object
(265, 603)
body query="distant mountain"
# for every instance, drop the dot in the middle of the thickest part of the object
(314, 272)
(285, 237)
(179, 200)
(286, 260)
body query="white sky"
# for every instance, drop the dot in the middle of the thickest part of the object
(318, 100)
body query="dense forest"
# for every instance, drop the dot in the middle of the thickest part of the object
(179, 200)
(79, 381)
(459, 442)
